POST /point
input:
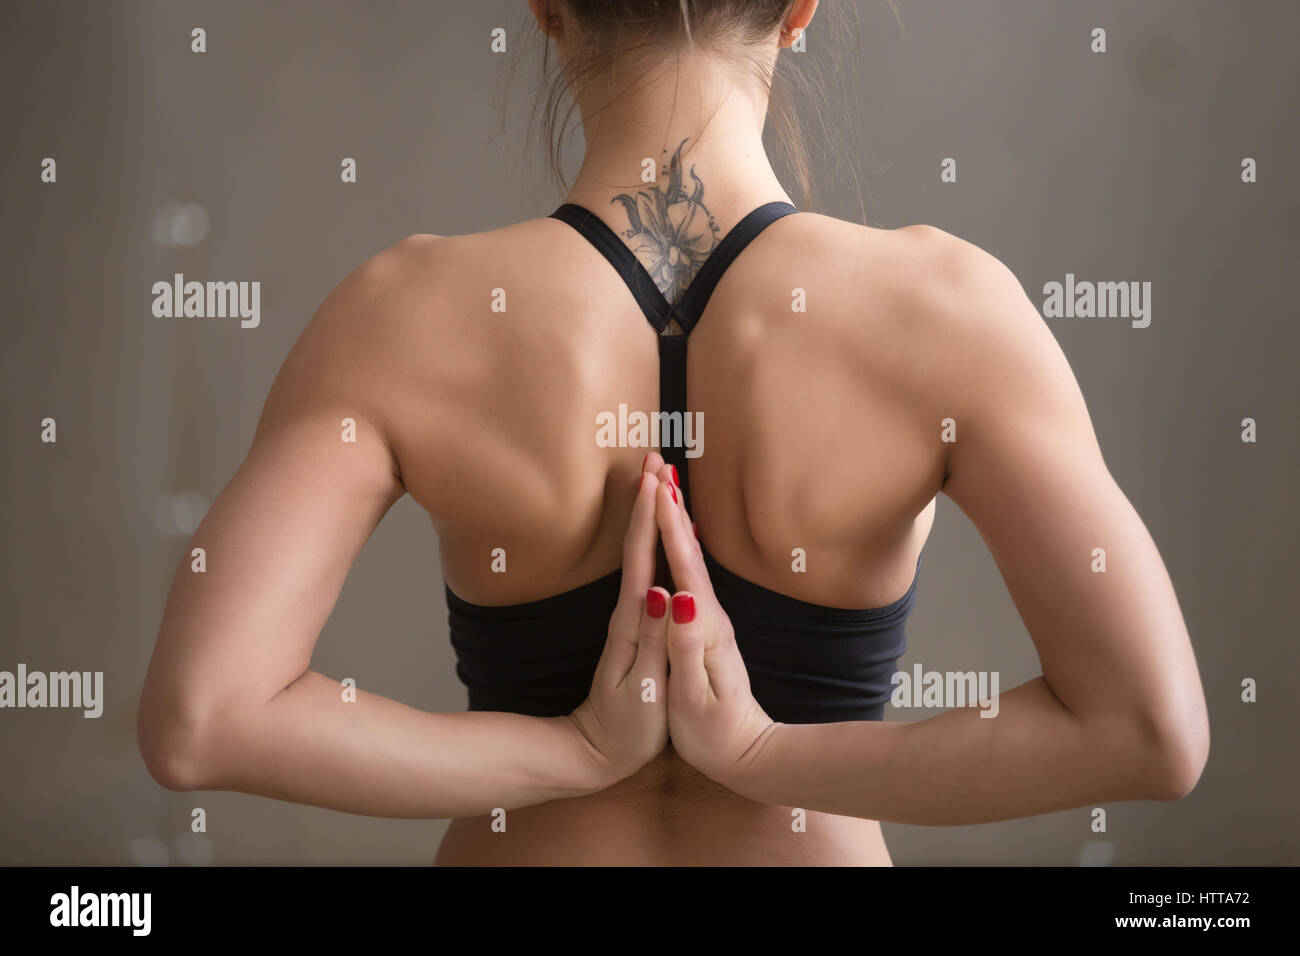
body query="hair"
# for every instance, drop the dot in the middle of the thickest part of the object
(615, 31)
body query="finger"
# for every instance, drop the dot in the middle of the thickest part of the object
(652, 463)
(724, 670)
(689, 681)
(651, 662)
(638, 574)
(639, 544)
(685, 561)
(668, 474)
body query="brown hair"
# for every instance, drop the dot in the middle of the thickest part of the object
(611, 29)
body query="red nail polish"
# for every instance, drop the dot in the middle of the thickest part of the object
(644, 460)
(672, 490)
(675, 479)
(683, 608)
(655, 603)
(695, 528)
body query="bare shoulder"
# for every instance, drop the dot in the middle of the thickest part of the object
(391, 290)
(388, 315)
(947, 329)
(947, 284)
(358, 339)
(403, 330)
(968, 314)
(916, 275)
(993, 360)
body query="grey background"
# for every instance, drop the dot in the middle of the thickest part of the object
(1115, 166)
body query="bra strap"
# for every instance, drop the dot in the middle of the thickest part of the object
(672, 402)
(659, 311)
(696, 297)
(652, 302)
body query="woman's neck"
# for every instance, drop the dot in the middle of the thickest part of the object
(674, 160)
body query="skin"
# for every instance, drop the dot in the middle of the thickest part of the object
(823, 433)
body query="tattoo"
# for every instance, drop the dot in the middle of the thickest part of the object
(672, 231)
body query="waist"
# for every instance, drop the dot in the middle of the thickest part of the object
(666, 814)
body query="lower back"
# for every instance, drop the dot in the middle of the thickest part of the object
(667, 814)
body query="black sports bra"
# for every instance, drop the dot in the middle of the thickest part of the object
(806, 663)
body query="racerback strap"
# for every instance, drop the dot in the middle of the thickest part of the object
(659, 312)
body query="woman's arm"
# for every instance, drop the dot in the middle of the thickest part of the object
(229, 702)
(1118, 712)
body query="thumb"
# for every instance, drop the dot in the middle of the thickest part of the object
(687, 679)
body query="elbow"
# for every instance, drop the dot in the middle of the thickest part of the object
(170, 738)
(1176, 752)
(1181, 763)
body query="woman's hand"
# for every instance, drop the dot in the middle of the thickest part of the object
(714, 721)
(624, 719)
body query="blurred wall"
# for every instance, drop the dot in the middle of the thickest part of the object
(1123, 165)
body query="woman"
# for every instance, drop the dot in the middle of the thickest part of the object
(729, 713)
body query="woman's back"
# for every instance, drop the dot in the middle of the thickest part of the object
(817, 452)
(838, 378)
(804, 371)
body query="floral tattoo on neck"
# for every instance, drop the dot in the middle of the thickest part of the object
(672, 231)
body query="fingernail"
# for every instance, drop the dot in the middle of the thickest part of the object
(683, 608)
(695, 528)
(675, 481)
(655, 603)
(644, 460)
(672, 490)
